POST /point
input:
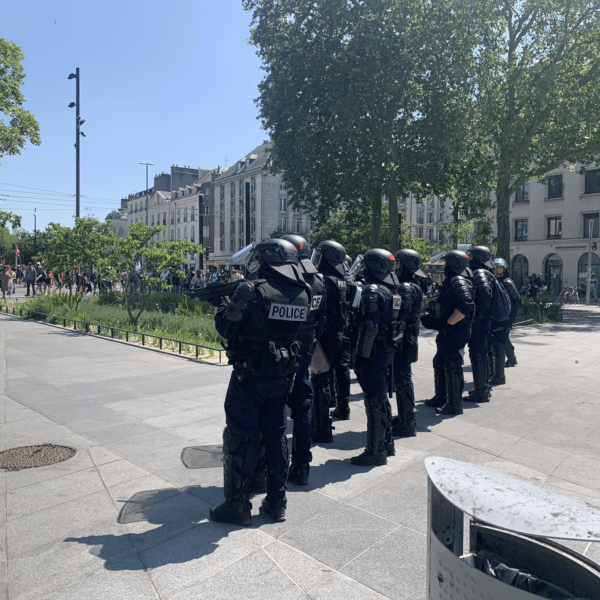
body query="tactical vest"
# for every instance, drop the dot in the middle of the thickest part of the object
(336, 306)
(306, 334)
(391, 328)
(268, 342)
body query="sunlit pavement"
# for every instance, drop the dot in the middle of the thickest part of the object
(127, 516)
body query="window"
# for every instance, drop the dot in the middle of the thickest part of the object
(241, 226)
(164, 218)
(554, 228)
(441, 216)
(520, 270)
(430, 217)
(232, 245)
(592, 182)
(440, 203)
(420, 218)
(241, 207)
(555, 186)
(179, 233)
(282, 205)
(440, 235)
(282, 187)
(152, 220)
(283, 224)
(136, 207)
(185, 214)
(232, 189)
(232, 207)
(419, 232)
(185, 233)
(430, 233)
(179, 215)
(206, 231)
(297, 225)
(222, 209)
(193, 214)
(240, 243)
(172, 235)
(590, 221)
(431, 203)
(520, 230)
(192, 234)
(232, 227)
(207, 191)
(222, 245)
(252, 225)
(241, 187)
(522, 193)
(222, 229)
(222, 193)
(253, 204)
(253, 184)
(172, 218)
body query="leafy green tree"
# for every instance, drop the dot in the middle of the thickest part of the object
(125, 253)
(360, 103)
(31, 245)
(22, 125)
(537, 82)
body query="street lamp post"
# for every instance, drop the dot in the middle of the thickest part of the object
(589, 266)
(78, 122)
(201, 230)
(148, 164)
(34, 231)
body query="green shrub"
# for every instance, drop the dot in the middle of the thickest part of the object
(539, 310)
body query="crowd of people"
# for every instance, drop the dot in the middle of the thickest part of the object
(300, 322)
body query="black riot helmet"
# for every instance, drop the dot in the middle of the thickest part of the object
(303, 249)
(481, 257)
(382, 265)
(457, 263)
(408, 260)
(281, 256)
(332, 254)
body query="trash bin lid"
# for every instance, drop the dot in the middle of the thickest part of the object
(511, 504)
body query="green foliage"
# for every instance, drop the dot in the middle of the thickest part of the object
(360, 100)
(22, 125)
(31, 245)
(539, 310)
(351, 227)
(190, 322)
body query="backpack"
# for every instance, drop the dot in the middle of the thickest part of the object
(500, 305)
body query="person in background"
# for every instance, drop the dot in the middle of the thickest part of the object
(30, 277)
(13, 275)
(5, 283)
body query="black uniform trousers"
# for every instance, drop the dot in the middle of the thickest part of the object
(450, 343)
(258, 404)
(300, 403)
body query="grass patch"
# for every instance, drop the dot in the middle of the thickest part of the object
(177, 318)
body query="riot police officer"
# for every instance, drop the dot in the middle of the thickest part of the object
(379, 336)
(260, 323)
(450, 314)
(408, 271)
(301, 398)
(500, 335)
(482, 266)
(330, 259)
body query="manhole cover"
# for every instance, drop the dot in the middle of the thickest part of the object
(28, 457)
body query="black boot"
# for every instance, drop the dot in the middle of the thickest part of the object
(481, 391)
(509, 350)
(499, 378)
(375, 453)
(341, 412)
(273, 503)
(275, 508)
(405, 425)
(299, 474)
(322, 432)
(454, 388)
(236, 508)
(439, 399)
(491, 364)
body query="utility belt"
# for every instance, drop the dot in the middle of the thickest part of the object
(265, 359)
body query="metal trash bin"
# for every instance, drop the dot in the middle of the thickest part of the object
(511, 518)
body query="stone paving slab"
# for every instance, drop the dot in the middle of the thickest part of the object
(125, 518)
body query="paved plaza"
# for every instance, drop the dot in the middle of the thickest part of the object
(127, 516)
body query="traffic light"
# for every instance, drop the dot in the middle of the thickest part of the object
(207, 250)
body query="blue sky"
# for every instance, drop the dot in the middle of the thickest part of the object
(168, 83)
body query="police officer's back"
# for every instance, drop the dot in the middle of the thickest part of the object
(330, 259)
(301, 397)
(261, 324)
(379, 336)
(408, 270)
(482, 266)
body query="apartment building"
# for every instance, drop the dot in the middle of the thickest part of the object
(551, 224)
(269, 210)
(428, 215)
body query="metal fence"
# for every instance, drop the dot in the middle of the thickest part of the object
(146, 339)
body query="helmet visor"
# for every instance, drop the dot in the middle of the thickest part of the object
(357, 266)
(316, 257)
(247, 257)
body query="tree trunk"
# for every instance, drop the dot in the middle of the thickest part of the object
(393, 206)
(455, 236)
(376, 223)
(503, 221)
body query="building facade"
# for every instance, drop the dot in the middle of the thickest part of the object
(554, 224)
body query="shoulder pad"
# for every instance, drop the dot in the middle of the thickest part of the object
(319, 276)
(246, 290)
